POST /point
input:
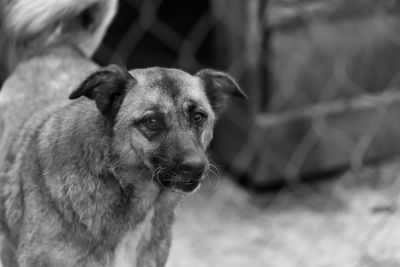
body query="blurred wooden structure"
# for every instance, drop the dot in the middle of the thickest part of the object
(318, 101)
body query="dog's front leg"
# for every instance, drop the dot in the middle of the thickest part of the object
(154, 252)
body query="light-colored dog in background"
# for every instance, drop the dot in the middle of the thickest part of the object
(46, 47)
(94, 181)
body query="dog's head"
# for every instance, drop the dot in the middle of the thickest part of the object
(162, 118)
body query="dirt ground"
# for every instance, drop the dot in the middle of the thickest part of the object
(352, 220)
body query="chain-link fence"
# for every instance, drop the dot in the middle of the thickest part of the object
(334, 68)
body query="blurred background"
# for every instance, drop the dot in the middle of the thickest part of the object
(308, 167)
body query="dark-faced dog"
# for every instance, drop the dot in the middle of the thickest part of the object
(94, 180)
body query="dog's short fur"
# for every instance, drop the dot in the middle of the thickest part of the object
(93, 180)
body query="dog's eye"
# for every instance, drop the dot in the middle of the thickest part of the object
(152, 123)
(198, 117)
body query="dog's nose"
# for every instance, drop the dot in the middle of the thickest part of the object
(192, 166)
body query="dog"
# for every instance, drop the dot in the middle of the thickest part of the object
(94, 180)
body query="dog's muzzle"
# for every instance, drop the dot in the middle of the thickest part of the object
(184, 176)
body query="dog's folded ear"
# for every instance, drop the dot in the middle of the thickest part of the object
(106, 87)
(219, 86)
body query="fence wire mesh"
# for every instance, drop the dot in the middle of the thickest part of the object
(322, 77)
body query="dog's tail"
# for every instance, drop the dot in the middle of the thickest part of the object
(82, 22)
(32, 24)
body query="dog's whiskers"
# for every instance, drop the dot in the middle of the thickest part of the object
(162, 158)
(158, 179)
(214, 166)
(215, 173)
(155, 173)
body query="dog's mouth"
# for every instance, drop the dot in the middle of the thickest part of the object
(188, 186)
(176, 182)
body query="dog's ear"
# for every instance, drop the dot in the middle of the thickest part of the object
(106, 87)
(219, 86)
